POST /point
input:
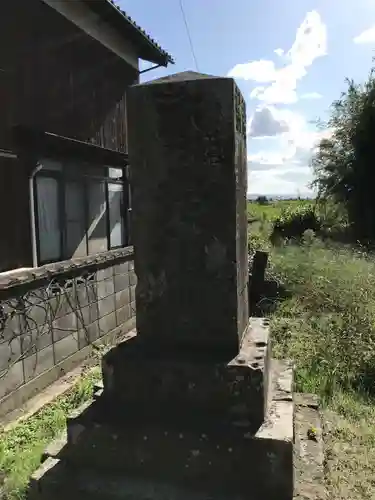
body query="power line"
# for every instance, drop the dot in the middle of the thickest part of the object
(188, 34)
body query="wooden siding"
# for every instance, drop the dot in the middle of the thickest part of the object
(55, 78)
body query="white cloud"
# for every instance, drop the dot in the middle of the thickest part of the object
(367, 36)
(264, 123)
(278, 160)
(310, 43)
(277, 93)
(311, 95)
(280, 181)
(265, 159)
(261, 71)
(283, 167)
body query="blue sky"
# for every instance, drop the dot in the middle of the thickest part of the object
(289, 58)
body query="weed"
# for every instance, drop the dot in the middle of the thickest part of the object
(328, 327)
(21, 447)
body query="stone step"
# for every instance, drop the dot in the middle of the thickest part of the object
(233, 465)
(161, 383)
(99, 465)
(98, 386)
(308, 449)
(59, 481)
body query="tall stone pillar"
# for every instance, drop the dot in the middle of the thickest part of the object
(194, 344)
(187, 152)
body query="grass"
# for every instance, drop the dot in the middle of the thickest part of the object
(21, 447)
(328, 327)
(272, 209)
(350, 447)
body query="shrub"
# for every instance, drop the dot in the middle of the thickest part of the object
(257, 241)
(328, 326)
(262, 200)
(294, 221)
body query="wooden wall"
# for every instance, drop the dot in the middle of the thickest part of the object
(55, 78)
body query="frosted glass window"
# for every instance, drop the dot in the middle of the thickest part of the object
(75, 230)
(116, 223)
(48, 218)
(97, 217)
(115, 173)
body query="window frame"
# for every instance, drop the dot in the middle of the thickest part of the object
(83, 178)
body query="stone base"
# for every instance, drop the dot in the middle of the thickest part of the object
(99, 460)
(169, 386)
(308, 453)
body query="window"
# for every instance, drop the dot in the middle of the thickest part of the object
(48, 219)
(80, 210)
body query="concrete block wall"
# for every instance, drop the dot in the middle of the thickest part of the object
(51, 316)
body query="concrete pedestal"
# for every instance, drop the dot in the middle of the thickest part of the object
(191, 389)
(101, 459)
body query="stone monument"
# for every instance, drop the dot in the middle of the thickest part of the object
(190, 399)
(187, 154)
(187, 151)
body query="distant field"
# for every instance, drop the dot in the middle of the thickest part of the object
(272, 209)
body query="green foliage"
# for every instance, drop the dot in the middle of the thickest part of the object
(273, 208)
(343, 162)
(21, 447)
(328, 325)
(294, 221)
(262, 200)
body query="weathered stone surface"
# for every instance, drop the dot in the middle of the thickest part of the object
(308, 453)
(123, 314)
(54, 447)
(36, 339)
(65, 347)
(92, 262)
(104, 274)
(107, 323)
(191, 387)
(105, 288)
(92, 486)
(11, 378)
(187, 150)
(10, 351)
(64, 326)
(122, 298)
(282, 381)
(107, 460)
(198, 461)
(106, 305)
(88, 335)
(87, 315)
(38, 362)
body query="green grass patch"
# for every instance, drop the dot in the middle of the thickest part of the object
(328, 328)
(21, 448)
(350, 446)
(273, 209)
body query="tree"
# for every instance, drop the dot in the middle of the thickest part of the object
(262, 200)
(343, 163)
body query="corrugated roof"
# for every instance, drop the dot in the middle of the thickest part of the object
(148, 49)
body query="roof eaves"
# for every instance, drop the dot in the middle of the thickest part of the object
(150, 50)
